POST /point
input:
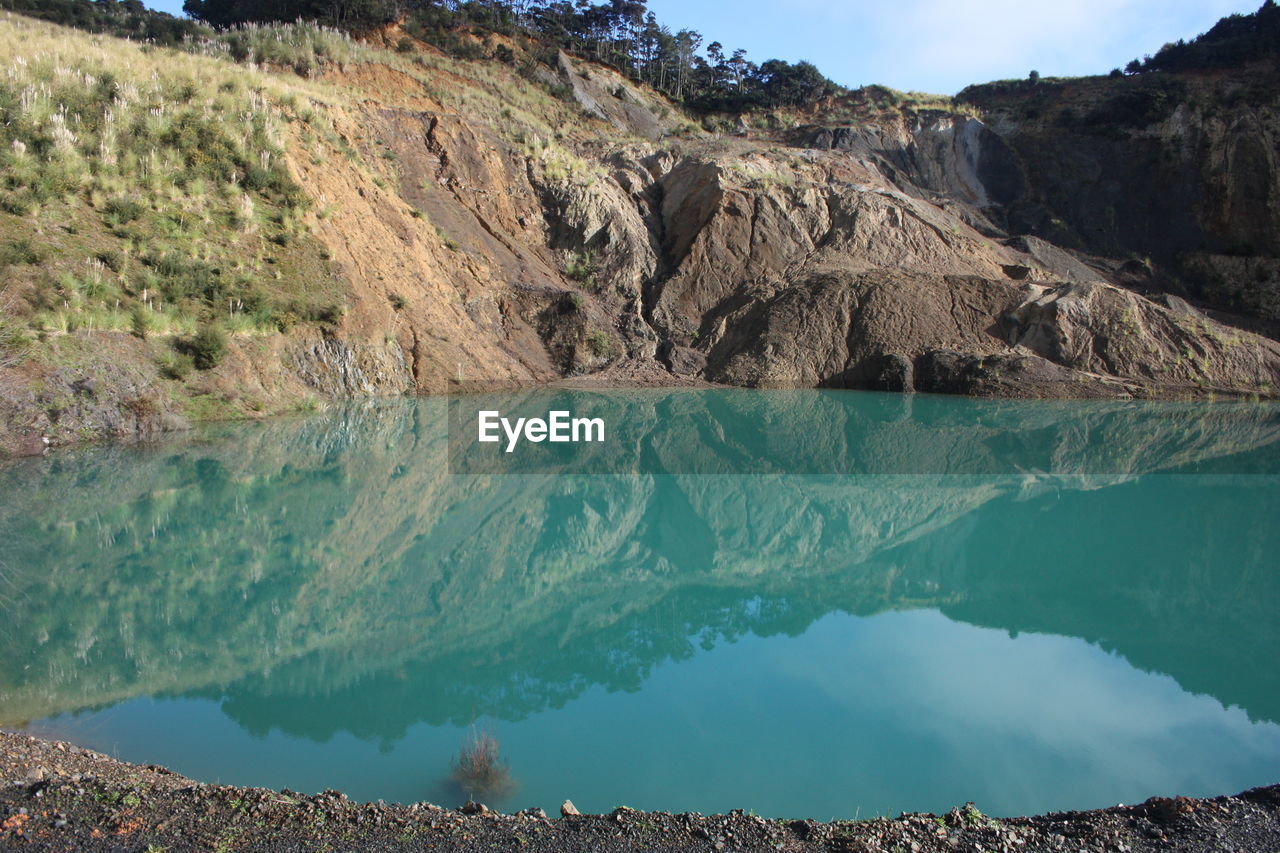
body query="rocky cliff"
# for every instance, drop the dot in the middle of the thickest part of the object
(1175, 172)
(487, 223)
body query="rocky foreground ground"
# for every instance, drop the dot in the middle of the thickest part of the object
(57, 796)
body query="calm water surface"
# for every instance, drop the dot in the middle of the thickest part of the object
(821, 604)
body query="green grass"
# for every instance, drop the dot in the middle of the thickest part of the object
(600, 343)
(445, 239)
(303, 47)
(15, 340)
(146, 189)
(19, 250)
(581, 269)
(207, 407)
(207, 347)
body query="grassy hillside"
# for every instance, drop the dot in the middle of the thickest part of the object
(146, 189)
(155, 193)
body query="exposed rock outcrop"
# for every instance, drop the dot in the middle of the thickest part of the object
(1049, 248)
(1180, 169)
(750, 264)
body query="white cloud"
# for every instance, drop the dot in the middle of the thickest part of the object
(946, 43)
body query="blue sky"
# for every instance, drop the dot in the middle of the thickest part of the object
(940, 45)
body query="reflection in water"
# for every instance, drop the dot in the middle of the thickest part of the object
(327, 584)
(806, 432)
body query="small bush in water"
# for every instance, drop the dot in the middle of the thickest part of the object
(479, 769)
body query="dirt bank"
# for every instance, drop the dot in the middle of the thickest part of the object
(57, 796)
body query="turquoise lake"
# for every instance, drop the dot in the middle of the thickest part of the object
(802, 603)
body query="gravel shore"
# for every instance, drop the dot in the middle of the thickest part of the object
(57, 796)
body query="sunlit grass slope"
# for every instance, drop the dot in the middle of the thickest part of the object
(146, 188)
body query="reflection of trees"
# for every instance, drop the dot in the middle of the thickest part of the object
(515, 678)
(335, 557)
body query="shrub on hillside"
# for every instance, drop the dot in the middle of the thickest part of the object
(14, 340)
(206, 348)
(19, 251)
(176, 365)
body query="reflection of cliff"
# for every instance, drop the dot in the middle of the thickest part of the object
(802, 432)
(336, 557)
(1175, 574)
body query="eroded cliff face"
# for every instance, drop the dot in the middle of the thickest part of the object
(883, 256)
(1178, 171)
(1038, 251)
